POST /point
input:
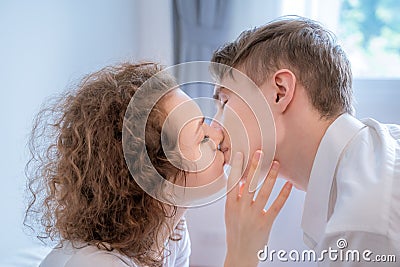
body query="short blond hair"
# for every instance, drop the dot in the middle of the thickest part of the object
(301, 45)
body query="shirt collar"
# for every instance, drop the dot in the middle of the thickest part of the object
(315, 212)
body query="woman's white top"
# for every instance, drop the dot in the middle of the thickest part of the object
(89, 255)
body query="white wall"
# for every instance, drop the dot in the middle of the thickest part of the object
(45, 47)
(378, 99)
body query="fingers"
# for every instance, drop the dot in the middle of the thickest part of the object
(234, 176)
(276, 207)
(247, 194)
(266, 189)
(254, 173)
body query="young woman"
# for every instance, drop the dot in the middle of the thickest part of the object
(85, 198)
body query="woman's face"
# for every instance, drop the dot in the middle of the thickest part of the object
(197, 142)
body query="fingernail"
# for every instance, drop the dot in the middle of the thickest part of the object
(258, 154)
(275, 165)
(288, 186)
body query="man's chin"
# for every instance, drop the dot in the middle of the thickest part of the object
(227, 158)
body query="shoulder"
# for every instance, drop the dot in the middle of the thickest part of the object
(95, 257)
(370, 158)
(368, 181)
(385, 129)
(179, 250)
(89, 256)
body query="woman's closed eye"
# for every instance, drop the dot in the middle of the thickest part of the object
(205, 139)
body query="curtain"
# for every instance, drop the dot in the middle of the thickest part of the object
(200, 27)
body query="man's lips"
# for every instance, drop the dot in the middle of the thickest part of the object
(224, 150)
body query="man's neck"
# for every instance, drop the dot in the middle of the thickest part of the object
(301, 147)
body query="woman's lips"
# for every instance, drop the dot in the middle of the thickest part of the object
(223, 149)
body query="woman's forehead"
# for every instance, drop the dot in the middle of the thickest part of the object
(180, 108)
(177, 100)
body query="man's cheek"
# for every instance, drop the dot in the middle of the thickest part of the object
(236, 132)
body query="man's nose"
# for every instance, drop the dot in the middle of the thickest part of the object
(215, 132)
(215, 124)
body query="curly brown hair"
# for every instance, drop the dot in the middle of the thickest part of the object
(81, 188)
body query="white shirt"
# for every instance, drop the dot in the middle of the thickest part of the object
(91, 256)
(353, 195)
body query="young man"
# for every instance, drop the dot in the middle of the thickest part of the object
(350, 169)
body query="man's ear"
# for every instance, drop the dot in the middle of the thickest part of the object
(284, 84)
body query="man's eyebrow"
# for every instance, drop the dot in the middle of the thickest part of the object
(201, 121)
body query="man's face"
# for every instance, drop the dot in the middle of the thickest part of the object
(234, 114)
(246, 119)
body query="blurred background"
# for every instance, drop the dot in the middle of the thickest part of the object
(47, 46)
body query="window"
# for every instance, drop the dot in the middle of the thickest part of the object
(369, 31)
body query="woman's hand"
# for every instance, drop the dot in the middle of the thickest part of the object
(247, 223)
